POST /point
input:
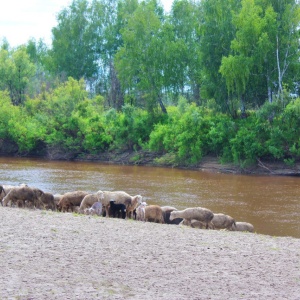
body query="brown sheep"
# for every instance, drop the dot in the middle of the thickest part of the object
(135, 201)
(221, 221)
(154, 213)
(48, 201)
(90, 199)
(5, 189)
(71, 199)
(23, 194)
(57, 198)
(195, 213)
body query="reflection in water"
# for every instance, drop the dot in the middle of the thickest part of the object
(271, 204)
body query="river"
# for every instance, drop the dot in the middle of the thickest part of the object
(271, 204)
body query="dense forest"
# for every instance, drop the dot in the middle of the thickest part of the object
(210, 77)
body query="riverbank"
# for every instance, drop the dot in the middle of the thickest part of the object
(50, 255)
(208, 163)
(148, 158)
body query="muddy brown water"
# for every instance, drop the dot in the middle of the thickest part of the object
(271, 204)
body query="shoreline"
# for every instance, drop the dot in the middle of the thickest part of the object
(146, 158)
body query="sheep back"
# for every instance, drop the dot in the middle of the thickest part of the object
(71, 199)
(166, 214)
(48, 201)
(222, 221)
(89, 200)
(197, 213)
(243, 226)
(22, 194)
(154, 213)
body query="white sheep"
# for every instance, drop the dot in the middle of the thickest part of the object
(243, 226)
(222, 221)
(96, 209)
(89, 200)
(195, 213)
(140, 212)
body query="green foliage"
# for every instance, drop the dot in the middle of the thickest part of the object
(130, 129)
(15, 72)
(185, 134)
(8, 114)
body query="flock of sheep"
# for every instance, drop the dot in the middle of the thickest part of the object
(117, 204)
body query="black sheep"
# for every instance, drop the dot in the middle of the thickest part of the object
(117, 209)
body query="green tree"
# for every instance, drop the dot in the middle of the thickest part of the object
(73, 50)
(265, 47)
(182, 50)
(139, 61)
(217, 32)
(16, 70)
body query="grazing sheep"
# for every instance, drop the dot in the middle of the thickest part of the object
(22, 194)
(76, 209)
(242, 226)
(140, 212)
(197, 213)
(5, 189)
(48, 201)
(96, 209)
(120, 197)
(193, 223)
(118, 209)
(57, 198)
(70, 199)
(131, 207)
(221, 221)
(154, 213)
(90, 199)
(166, 213)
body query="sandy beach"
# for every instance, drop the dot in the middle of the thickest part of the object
(51, 255)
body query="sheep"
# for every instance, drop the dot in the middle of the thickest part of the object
(154, 213)
(5, 189)
(131, 207)
(242, 226)
(117, 208)
(57, 198)
(120, 197)
(96, 209)
(193, 223)
(90, 199)
(71, 199)
(166, 214)
(23, 194)
(197, 213)
(140, 212)
(221, 221)
(48, 201)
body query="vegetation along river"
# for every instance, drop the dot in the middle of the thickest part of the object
(270, 203)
